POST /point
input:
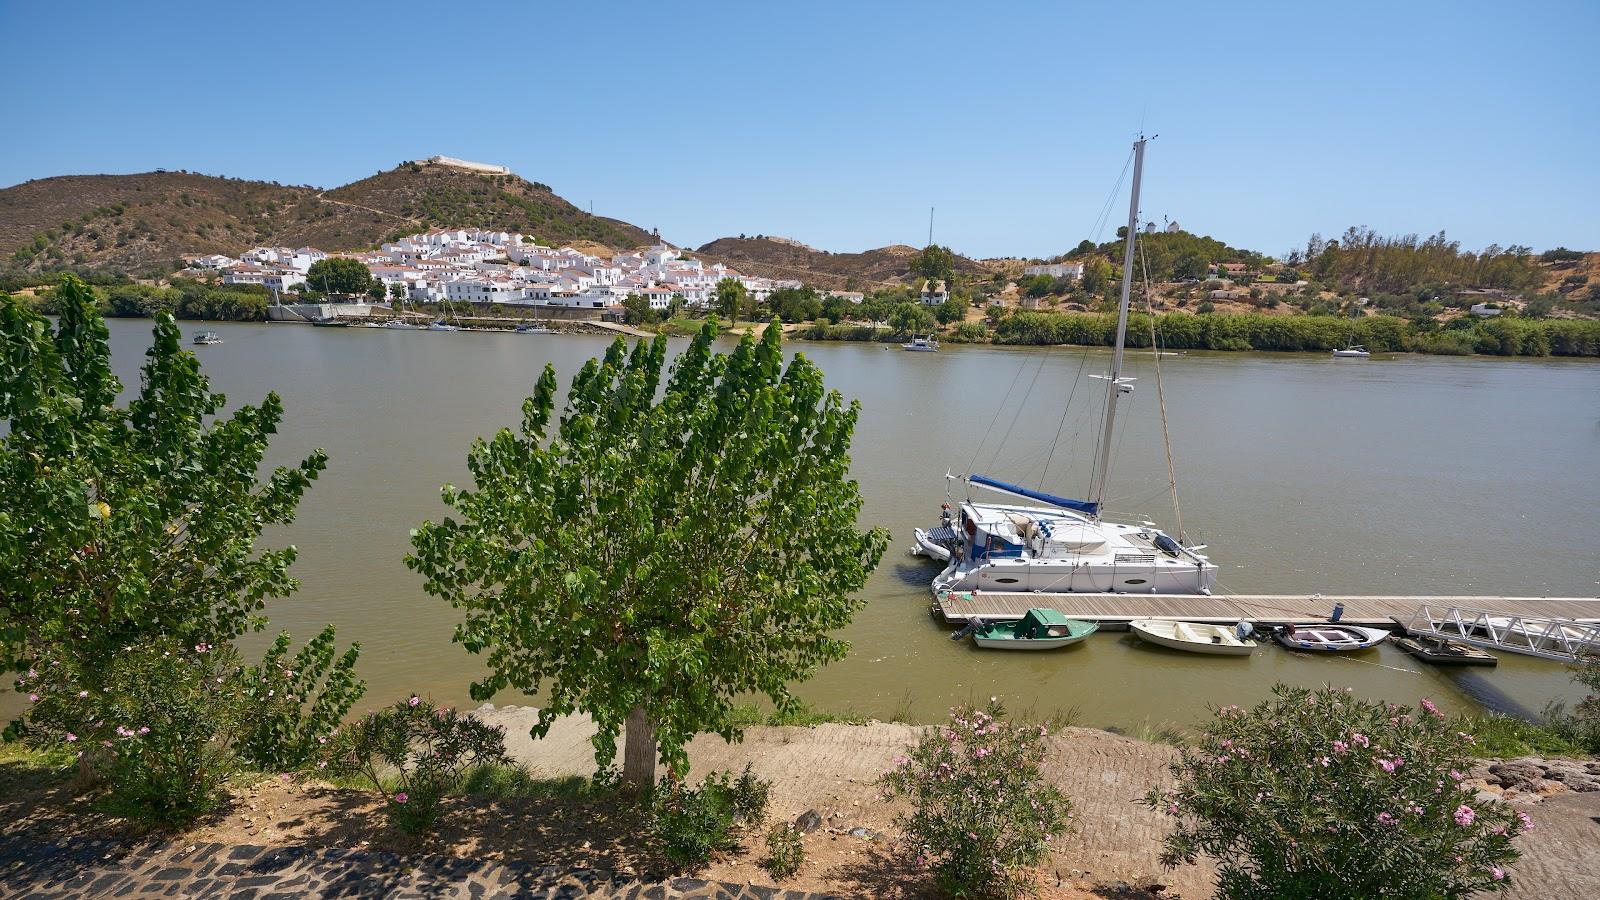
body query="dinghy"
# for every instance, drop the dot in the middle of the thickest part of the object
(1329, 638)
(1038, 629)
(1194, 637)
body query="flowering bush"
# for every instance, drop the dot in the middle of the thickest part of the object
(157, 724)
(1322, 794)
(294, 708)
(983, 812)
(414, 753)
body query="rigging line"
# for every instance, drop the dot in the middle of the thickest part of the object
(1020, 406)
(1083, 359)
(998, 408)
(1098, 230)
(1161, 397)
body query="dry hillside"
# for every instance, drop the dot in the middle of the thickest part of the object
(147, 221)
(785, 258)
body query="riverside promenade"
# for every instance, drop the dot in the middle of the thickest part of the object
(99, 868)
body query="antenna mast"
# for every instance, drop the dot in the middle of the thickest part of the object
(930, 226)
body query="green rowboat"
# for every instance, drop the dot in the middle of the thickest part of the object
(1039, 629)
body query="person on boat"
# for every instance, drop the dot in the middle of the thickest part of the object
(1243, 630)
(1288, 629)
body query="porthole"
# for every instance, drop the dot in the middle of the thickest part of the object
(1134, 581)
(1005, 581)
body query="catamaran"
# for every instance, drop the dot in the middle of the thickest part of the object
(1063, 545)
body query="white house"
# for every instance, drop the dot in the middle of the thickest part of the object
(1056, 270)
(934, 293)
(1484, 310)
(214, 261)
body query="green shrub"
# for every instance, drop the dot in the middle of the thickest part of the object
(786, 852)
(982, 811)
(414, 753)
(692, 823)
(157, 723)
(1322, 794)
(969, 333)
(1581, 726)
(297, 704)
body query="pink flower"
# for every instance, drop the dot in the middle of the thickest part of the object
(1456, 775)
(981, 752)
(1388, 764)
(412, 702)
(401, 797)
(144, 729)
(1385, 819)
(323, 764)
(1325, 760)
(33, 698)
(1340, 746)
(1496, 873)
(71, 737)
(1527, 823)
(82, 694)
(1465, 815)
(1361, 739)
(1432, 710)
(201, 648)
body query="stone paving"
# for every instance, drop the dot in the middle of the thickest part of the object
(99, 868)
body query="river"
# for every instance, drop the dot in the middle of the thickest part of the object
(1405, 474)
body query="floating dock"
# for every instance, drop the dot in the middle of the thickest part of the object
(1113, 612)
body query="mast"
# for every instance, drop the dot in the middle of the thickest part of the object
(1116, 385)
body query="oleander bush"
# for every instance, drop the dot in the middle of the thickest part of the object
(157, 725)
(1323, 794)
(415, 753)
(786, 852)
(982, 811)
(296, 704)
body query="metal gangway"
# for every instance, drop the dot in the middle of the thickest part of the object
(1563, 640)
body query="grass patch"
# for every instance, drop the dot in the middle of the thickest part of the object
(1503, 736)
(749, 715)
(501, 782)
(1162, 732)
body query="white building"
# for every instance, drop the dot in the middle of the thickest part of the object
(1484, 310)
(1056, 270)
(934, 293)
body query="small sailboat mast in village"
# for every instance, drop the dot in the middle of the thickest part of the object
(1064, 546)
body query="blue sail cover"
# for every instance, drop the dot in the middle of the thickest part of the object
(1082, 506)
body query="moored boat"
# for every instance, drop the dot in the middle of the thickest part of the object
(399, 325)
(207, 337)
(1038, 629)
(1355, 352)
(525, 328)
(1194, 637)
(442, 325)
(921, 344)
(1329, 638)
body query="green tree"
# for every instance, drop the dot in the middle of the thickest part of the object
(910, 318)
(339, 275)
(652, 560)
(935, 263)
(377, 291)
(1096, 274)
(637, 311)
(951, 310)
(731, 295)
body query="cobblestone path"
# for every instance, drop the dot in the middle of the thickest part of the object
(95, 868)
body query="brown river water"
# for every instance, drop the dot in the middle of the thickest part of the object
(1303, 474)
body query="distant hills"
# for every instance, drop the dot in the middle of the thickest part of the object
(143, 223)
(775, 257)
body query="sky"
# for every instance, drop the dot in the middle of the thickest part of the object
(841, 124)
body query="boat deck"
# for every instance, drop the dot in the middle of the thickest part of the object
(1114, 611)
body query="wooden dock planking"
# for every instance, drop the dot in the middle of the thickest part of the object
(1116, 610)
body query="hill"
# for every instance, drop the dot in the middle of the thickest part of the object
(784, 258)
(145, 222)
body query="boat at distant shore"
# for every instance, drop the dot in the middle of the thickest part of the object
(207, 337)
(525, 328)
(921, 344)
(1354, 352)
(399, 325)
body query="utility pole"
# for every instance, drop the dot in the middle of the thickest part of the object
(930, 226)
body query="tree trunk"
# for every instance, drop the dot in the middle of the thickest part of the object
(639, 750)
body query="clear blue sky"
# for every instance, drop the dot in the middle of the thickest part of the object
(839, 124)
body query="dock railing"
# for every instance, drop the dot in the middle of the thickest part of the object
(1546, 637)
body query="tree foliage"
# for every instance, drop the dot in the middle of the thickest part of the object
(667, 555)
(1364, 260)
(340, 275)
(935, 263)
(119, 523)
(731, 298)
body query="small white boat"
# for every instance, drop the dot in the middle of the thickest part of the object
(921, 344)
(207, 337)
(443, 326)
(534, 329)
(1329, 638)
(934, 544)
(398, 325)
(1356, 352)
(1194, 637)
